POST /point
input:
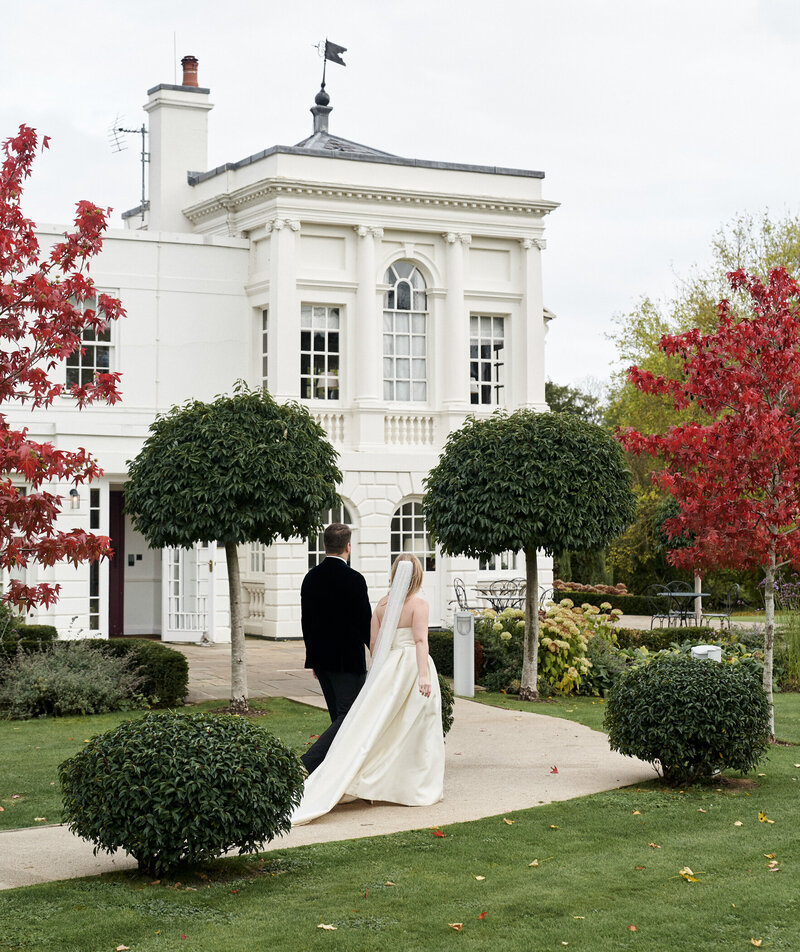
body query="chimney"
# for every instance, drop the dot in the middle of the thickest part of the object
(189, 64)
(178, 129)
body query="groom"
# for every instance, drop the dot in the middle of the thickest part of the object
(336, 618)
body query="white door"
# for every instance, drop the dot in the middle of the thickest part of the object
(188, 595)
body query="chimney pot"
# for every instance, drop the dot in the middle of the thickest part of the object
(189, 64)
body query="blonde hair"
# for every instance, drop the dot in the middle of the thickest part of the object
(416, 572)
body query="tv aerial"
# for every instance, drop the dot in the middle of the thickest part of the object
(118, 144)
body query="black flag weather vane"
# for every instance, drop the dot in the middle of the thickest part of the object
(332, 52)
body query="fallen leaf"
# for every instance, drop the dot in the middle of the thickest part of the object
(655, 846)
(456, 926)
(534, 863)
(365, 893)
(437, 833)
(554, 769)
(480, 878)
(701, 810)
(796, 765)
(16, 796)
(554, 827)
(509, 822)
(763, 818)
(156, 882)
(313, 736)
(388, 883)
(482, 915)
(631, 928)
(762, 775)
(738, 823)
(770, 855)
(39, 819)
(640, 867)
(688, 875)
(232, 891)
(579, 917)
(328, 928)
(122, 948)
(637, 812)
(756, 942)
(2, 809)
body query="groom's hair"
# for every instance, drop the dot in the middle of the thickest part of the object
(336, 537)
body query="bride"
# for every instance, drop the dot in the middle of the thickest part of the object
(390, 745)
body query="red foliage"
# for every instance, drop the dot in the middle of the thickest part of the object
(43, 314)
(736, 479)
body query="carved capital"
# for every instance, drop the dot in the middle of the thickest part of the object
(528, 243)
(465, 239)
(362, 230)
(293, 223)
(376, 232)
(450, 237)
(276, 224)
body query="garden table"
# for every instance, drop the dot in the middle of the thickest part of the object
(500, 600)
(683, 603)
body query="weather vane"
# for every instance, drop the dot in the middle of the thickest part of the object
(330, 51)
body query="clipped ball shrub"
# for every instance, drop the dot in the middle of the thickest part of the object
(173, 789)
(689, 718)
(448, 699)
(164, 671)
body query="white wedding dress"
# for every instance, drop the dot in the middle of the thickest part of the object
(390, 745)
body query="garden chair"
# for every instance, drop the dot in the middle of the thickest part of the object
(657, 604)
(731, 598)
(461, 596)
(681, 609)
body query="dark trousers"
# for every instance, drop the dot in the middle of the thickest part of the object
(340, 689)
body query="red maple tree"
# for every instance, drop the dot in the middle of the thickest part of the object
(47, 301)
(736, 479)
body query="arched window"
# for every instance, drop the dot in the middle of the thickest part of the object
(405, 349)
(409, 534)
(316, 545)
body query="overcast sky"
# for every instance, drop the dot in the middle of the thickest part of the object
(655, 121)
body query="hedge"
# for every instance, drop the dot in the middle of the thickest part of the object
(165, 670)
(658, 638)
(440, 648)
(27, 637)
(627, 604)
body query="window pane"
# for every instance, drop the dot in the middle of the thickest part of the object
(333, 342)
(498, 326)
(388, 390)
(418, 368)
(87, 375)
(420, 390)
(388, 344)
(305, 317)
(401, 323)
(319, 342)
(403, 269)
(420, 301)
(333, 317)
(418, 346)
(102, 358)
(473, 326)
(418, 323)
(388, 323)
(305, 340)
(403, 345)
(403, 296)
(389, 300)
(486, 327)
(388, 367)
(403, 390)
(319, 363)
(305, 363)
(403, 367)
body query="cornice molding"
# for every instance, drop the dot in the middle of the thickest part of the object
(244, 197)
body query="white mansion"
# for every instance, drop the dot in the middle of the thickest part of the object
(393, 297)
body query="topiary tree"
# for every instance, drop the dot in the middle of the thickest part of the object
(181, 788)
(689, 717)
(529, 481)
(241, 469)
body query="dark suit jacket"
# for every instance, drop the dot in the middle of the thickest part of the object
(336, 617)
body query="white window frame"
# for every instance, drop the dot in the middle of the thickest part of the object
(89, 346)
(264, 338)
(408, 532)
(316, 544)
(488, 357)
(323, 383)
(405, 334)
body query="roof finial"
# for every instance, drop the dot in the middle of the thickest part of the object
(321, 110)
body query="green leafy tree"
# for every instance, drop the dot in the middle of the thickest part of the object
(562, 398)
(530, 481)
(241, 469)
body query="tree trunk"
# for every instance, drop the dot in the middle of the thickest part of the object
(239, 703)
(528, 689)
(769, 635)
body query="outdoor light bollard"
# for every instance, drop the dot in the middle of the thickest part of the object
(464, 654)
(711, 652)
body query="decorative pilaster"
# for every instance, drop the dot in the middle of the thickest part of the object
(454, 367)
(529, 368)
(366, 337)
(284, 310)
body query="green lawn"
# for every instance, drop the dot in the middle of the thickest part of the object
(30, 752)
(605, 862)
